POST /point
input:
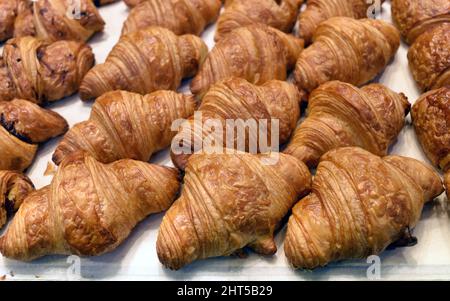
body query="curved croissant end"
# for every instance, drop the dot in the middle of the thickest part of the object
(431, 119)
(14, 187)
(127, 125)
(230, 202)
(146, 61)
(360, 203)
(318, 11)
(348, 50)
(22, 126)
(429, 58)
(340, 114)
(414, 18)
(41, 72)
(89, 208)
(181, 17)
(48, 20)
(239, 13)
(447, 183)
(240, 54)
(133, 3)
(237, 99)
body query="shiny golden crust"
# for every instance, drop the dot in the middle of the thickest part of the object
(127, 125)
(146, 61)
(340, 114)
(229, 202)
(41, 72)
(48, 19)
(429, 58)
(280, 14)
(416, 17)
(89, 208)
(348, 50)
(133, 3)
(14, 187)
(23, 125)
(431, 118)
(318, 11)
(240, 54)
(360, 204)
(180, 16)
(236, 99)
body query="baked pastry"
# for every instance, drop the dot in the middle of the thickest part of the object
(23, 126)
(340, 114)
(233, 99)
(318, 11)
(240, 54)
(431, 119)
(89, 208)
(230, 202)
(429, 58)
(359, 205)
(41, 72)
(127, 125)
(280, 14)
(348, 50)
(49, 19)
(14, 187)
(416, 17)
(180, 16)
(447, 183)
(146, 61)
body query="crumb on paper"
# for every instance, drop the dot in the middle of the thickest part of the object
(50, 170)
(37, 276)
(11, 273)
(2, 277)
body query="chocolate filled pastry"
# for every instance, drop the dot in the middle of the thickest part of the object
(359, 205)
(23, 125)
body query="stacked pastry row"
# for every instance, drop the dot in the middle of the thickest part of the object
(358, 203)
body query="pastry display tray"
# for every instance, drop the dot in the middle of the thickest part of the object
(136, 259)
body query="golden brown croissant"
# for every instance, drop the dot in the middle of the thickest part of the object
(180, 16)
(318, 11)
(416, 17)
(431, 119)
(50, 19)
(340, 114)
(23, 126)
(360, 203)
(280, 14)
(348, 50)
(133, 3)
(429, 58)
(14, 187)
(257, 53)
(127, 125)
(229, 202)
(146, 61)
(40, 72)
(236, 99)
(89, 208)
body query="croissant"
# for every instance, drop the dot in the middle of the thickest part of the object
(236, 99)
(340, 114)
(348, 50)
(230, 202)
(89, 208)
(133, 3)
(23, 126)
(318, 11)
(181, 17)
(240, 54)
(360, 204)
(41, 72)
(280, 14)
(127, 125)
(50, 19)
(14, 187)
(447, 184)
(431, 119)
(429, 58)
(416, 17)
(146, 61)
